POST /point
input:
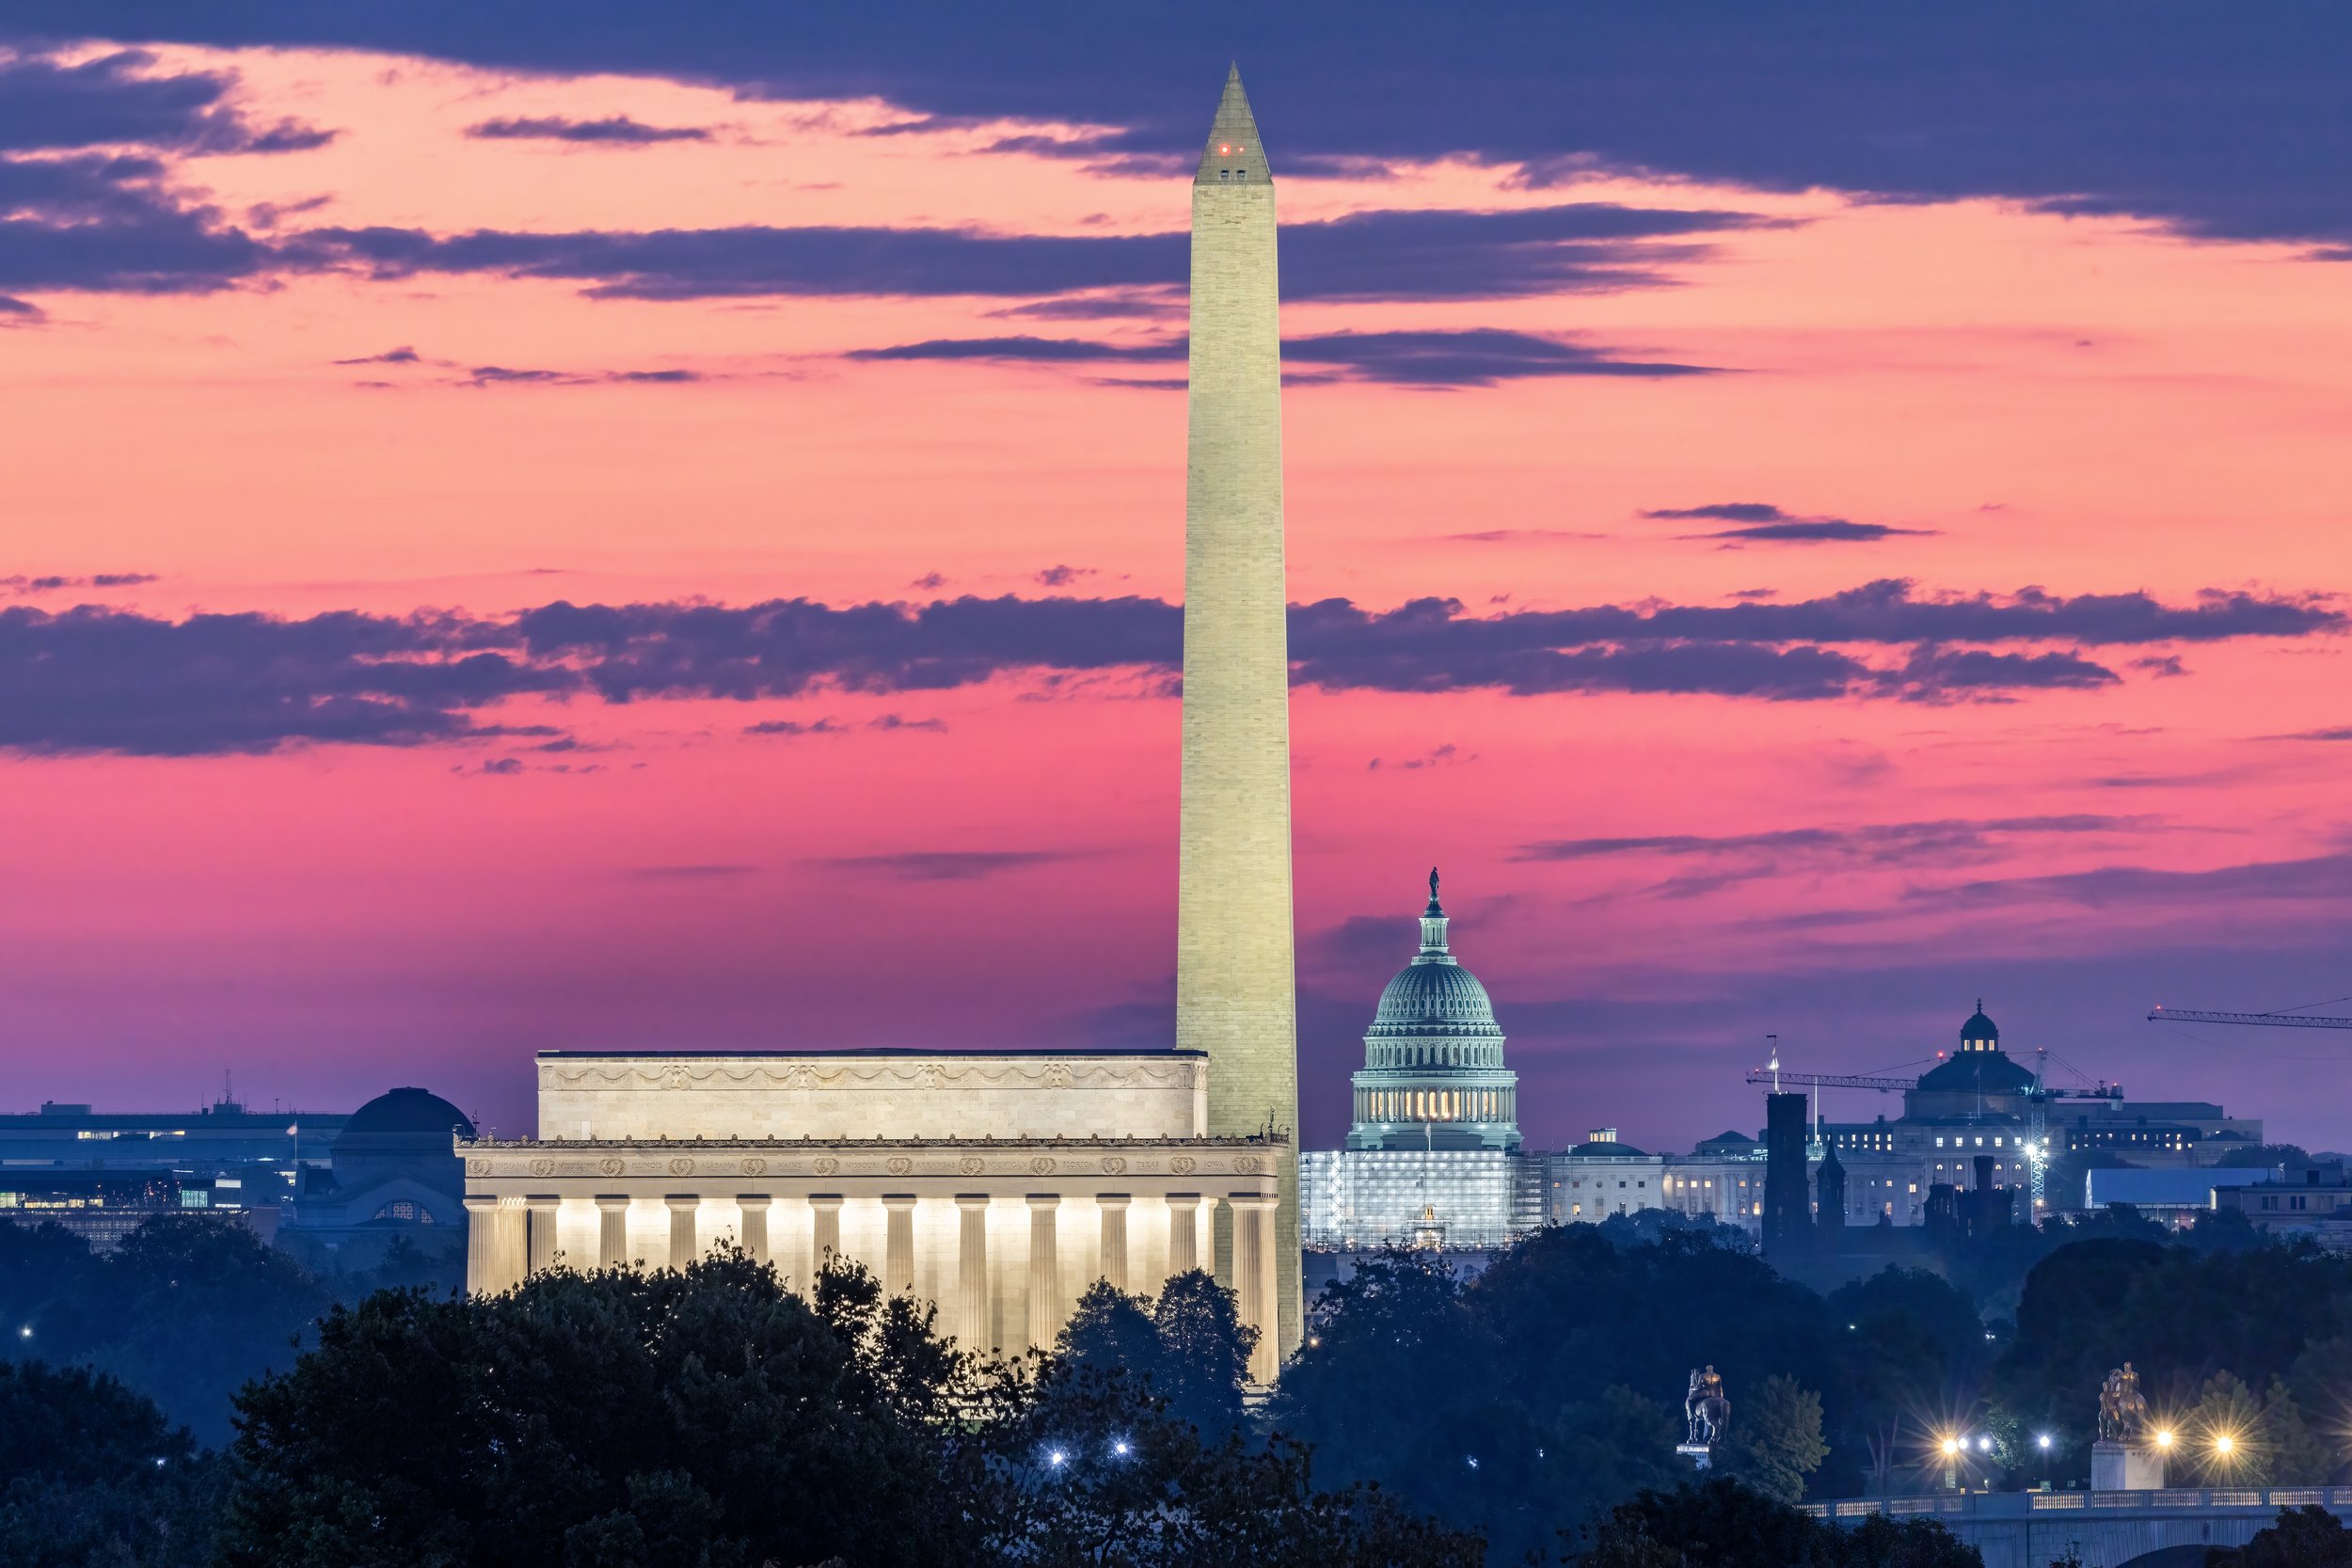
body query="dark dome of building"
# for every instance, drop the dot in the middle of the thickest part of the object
(406, 1112)
(1979, 1027)
(1976, 1073)
(1604, 1150)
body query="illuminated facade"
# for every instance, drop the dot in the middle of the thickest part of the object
(997, 1184)
(1604, 1176)
(1433, 1154)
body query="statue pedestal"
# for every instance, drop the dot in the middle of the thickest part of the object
(1700, 1455)
(2126, 1468)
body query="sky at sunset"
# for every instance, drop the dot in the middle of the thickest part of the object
(597, 525)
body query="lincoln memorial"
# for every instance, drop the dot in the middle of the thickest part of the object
(997, 1184)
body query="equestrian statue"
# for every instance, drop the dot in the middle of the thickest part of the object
(1706, 1409)
(2122, 1409)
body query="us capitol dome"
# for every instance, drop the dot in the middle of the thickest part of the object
(1432, 1156)
(1432, 1075)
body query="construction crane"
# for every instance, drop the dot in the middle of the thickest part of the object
(2266, 1021)
(1830, 1081)
(1769, 1073)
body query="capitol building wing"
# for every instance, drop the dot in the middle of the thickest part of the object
(997, 1184)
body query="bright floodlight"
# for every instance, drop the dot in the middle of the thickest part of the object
(1119, 1448)
(2224, 1444)
(1985, 1443)
(1054, 1458)
(2044, 1440)
(2164, 1439)
(1951, 1446)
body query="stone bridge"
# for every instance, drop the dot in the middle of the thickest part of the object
(2169, 1529)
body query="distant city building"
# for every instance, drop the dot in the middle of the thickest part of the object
(1981, 1100)
(100, 1173)
(393, 1172)
(1434, 1155)
(1977, 1104)
(2171, 1197)
(2316, 1203)
(1604, 1176)
(1723, 1178)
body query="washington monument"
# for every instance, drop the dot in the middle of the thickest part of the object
(1236, 995)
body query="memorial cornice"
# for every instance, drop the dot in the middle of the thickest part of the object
(815, 1071)
(491, 1159)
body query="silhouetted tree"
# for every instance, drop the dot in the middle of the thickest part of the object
(1719, 1522)
(1204, 1351)
(2299, 1456)
(1777, 1442)
(2309, 1537)
(1913, 1356)
(183, 1312)
(711, 1418)
(613, 1418)
(1189, 1349)
(90, 1473)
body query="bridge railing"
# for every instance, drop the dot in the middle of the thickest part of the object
(1999, 1505)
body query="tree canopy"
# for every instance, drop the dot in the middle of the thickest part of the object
(92, 1473)
(619, 1420)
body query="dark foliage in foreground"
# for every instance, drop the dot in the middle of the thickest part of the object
(185, 1310)
(2308, 1537)
(625, 1420)
(1722, 1524)
(90, 1473)
(1523, 1402)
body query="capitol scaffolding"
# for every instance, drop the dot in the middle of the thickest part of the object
(1434, 1155)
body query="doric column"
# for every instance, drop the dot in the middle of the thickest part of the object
(754, 1237)
(480, 1243)
(897, 1244)
(1114, 1263)
(613, 1230)
(1253, 1277)
(971, 1272)
(682, 1238)
(826, 1248)
(1045, 1270)
(510, 1256)
(1183, 1232)
(540, 1208)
